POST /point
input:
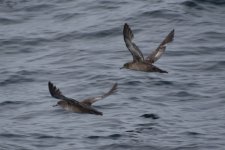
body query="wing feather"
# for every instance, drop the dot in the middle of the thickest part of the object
(132, 47)
(56, 93)
(156, 54)
(90, 101)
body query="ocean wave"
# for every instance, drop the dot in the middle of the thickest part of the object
(112, 136)
(66, 16)
(199, 4)
(21, 76)
(8, 21)
(192, 4)
(39, 7)
(21, 44)
(15, 79)
(162, 14)
(213, 2)
(70, 36)
(12, 135)
(6, 103)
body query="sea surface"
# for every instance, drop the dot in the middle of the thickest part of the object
(78, 45)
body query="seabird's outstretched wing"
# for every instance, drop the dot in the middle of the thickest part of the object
(56, 93)
(133, 48)
(91, 100)
(155, 55)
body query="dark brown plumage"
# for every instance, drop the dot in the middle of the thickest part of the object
(140, 63)
(73, 105)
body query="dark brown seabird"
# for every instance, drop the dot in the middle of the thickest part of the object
(73, 105)
(140, 63)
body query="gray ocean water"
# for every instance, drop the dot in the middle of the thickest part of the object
(78, 45)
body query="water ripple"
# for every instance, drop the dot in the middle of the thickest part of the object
(79, 46)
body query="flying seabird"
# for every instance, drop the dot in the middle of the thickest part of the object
(84, 106)
(140, 63)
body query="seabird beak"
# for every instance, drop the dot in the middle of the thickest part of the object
(121, 67)
(55, 105)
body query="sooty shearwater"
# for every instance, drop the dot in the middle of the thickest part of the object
(140, 63)
(73, 105)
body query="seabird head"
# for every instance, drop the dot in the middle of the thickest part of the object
(126, 65)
